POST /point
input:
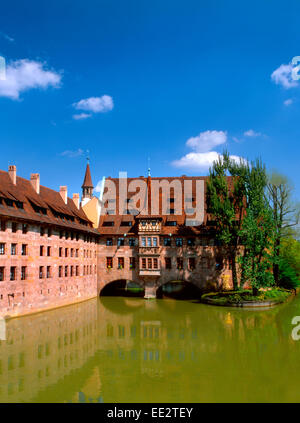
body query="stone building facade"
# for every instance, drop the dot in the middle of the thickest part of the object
(152, 249)
(48, 247)
(55, 250)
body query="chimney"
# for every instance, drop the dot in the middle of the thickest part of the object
(35, 182)
(12, 171)
(76, 200)
(64, 194)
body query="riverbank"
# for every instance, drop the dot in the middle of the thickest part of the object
(17, 312)
(245, 298)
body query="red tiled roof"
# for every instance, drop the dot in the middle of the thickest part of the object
(48, 199)
(180, 227)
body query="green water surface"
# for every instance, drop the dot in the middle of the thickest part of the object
(134, 350)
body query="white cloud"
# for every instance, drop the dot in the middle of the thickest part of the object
(283, 76)
(99, 186)
(251, 133)
(196, 160)
(7, 37)
(95, 104)
(72, 154)
(288, 102)
(82, 116)
(207, 140)
(23, 75)
(202, 158)
(199, 161)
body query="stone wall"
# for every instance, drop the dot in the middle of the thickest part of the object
(18, 297)
(211, 268)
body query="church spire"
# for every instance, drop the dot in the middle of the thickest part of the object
(87, 186)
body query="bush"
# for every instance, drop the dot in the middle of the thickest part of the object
(290, 252)
(288, 278)
(238, 297)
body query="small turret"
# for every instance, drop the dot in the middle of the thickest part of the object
(87, 186)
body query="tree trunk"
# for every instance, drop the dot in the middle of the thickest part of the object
(234, 274)
(254, 291)
(243, 277)
(276, 264)
(276, 273)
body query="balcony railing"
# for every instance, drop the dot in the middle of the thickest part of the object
(149, 227)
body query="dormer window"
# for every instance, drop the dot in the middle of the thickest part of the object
(9, 202)
(38, 209)
(126, 223)
(171, 223)
(108, 223)
(19, 205)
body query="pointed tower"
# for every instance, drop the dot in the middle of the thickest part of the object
(90, 204)
(87, 186)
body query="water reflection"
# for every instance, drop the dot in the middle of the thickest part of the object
(132, 350)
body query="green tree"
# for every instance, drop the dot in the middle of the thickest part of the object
(290, 253)
(257, 232)
(225, 198)
(288, 277)
(286, 213)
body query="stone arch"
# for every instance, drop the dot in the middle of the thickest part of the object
(122, 288)
(178, 289)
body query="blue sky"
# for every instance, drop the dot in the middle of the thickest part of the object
(126, 79)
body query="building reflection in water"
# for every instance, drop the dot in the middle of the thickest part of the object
(128, 349)
(43, 349)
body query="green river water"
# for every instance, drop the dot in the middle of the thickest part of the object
(133, 350)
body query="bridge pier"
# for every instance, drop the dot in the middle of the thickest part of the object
(150, 285)
(150, 292)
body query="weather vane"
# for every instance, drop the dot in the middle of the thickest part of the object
(88, 156)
